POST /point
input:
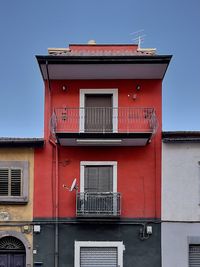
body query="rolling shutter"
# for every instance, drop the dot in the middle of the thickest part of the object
(98, 257)
(194, 255)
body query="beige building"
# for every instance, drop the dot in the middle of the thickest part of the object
(16, 200)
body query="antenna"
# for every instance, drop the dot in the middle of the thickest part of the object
(139, 37)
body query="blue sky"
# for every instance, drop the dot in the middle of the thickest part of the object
(29, 27)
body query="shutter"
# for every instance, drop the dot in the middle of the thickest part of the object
(98, 179)
(4, 178)
(16, 175)
(98, 257)
(194, 255)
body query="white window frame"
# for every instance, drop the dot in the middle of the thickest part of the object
(96, 163)
(118, 244)
(113, 92)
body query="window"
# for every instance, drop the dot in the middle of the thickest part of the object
(98, 176)
(98, 253)
(14, 181)
(98, 189)
(194, 255)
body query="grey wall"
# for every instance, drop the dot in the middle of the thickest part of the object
(137, 253)
(176, 238)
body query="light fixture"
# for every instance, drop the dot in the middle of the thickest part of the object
(64, 87)
(138, 87)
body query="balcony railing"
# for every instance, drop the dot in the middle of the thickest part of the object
(104, 120)
(97, 204)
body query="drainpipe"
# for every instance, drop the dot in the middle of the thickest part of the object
(56, 238)
(55, 145)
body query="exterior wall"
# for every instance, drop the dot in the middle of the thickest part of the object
(20, 212)
(181, 182)
(139, 168)
(137, 253)
(16, 219)
(176, 238)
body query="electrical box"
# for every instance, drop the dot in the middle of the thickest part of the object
(149, 229)
(36, 228)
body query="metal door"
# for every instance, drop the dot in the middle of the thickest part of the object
(98, 113)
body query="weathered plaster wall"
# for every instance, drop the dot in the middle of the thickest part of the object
(20, 212)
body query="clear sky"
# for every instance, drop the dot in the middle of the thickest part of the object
(29, 27)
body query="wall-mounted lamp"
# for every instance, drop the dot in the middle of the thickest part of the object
(64, 87)
(138, 87)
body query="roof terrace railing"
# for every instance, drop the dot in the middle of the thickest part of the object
(104, 120)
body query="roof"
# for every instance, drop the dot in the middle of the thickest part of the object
(21, 142)
(101, 50)
(181, 136)
(102, 61)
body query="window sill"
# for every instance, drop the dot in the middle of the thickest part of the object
(14, 200)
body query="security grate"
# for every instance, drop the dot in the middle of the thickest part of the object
(11, 243)
(194, 255)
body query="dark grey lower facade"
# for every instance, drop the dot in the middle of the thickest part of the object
(129, 238)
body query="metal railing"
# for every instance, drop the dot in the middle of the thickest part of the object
(98, 204)
(103, 120)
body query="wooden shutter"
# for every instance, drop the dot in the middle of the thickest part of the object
(98, 257)
(10, 182)
(98, 179)
(16, 182)
(194, 255)
(98, 112)
(4, 182)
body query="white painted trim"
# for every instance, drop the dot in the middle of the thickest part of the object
(118, 244)
(93, 163)
(113, 91)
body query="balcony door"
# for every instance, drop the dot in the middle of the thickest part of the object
(98, 110)
(98, 190)
(98, 113)
(98, 179)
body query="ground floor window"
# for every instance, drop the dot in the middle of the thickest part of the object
(194, 255)
(98, 254)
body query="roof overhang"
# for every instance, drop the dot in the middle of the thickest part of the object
(103, 67)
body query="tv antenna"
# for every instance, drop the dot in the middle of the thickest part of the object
(74, 186)
(138, 37)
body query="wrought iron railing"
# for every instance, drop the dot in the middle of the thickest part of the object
(104, 120)
(98, 204)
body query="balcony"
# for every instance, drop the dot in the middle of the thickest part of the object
(95, 204)
(104, 126)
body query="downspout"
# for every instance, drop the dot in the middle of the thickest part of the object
(55, 145)
(56, 238)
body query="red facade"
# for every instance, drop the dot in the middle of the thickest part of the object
(138, 166)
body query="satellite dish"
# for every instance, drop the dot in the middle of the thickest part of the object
(73, 186)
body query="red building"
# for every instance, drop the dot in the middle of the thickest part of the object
(103, 119)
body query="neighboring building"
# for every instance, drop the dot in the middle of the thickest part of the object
(102, 131)
(181, 199)
(16, 200)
